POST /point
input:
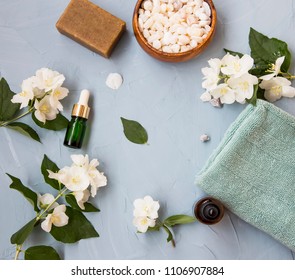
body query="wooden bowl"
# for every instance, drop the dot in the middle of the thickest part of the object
(173, 57)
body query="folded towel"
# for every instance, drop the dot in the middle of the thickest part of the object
(253, 170)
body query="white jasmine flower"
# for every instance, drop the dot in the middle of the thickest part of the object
(277, 87)
(97, 179)
(235, 66)
(225, 93)
(48, 80)
(44, 110)
(243, 86)
(275, 69)
(57, 218)
(76, 178)
(56, 95)
(146, 207)
(206, 96)
(211, 74)
(143, 223)
(81, 197)
(45, 200)
(26, 95)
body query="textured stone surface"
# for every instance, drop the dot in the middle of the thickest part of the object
(164, 98)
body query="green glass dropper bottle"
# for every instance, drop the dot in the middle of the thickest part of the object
(77, 126)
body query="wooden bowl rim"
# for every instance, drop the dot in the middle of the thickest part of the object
(195, 50)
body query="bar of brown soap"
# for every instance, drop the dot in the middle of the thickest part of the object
(91, 26)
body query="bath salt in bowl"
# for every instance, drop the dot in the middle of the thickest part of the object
(174, 30)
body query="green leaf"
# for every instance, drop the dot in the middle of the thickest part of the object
(41, 253)
(21, 235)
(253, 99)
(170, 235)
(179, 220)
(257, 94)
(88, 206)
(25, 191)
(155, 228)
(25, 129)
(259, 70)
(265, 51)
(59, 123)
(260, 93)
(47, 164)
(7, 108)
(233, 53)
(78, 228)
(134, 131)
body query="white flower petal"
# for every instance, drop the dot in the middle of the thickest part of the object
(215, 64)
(82, 197)
(59, 209)
(228, 98)
(143, 223)
(282, 81)
(97, 180)
(47, 224)
(276, 68)
(278, 64)
(60, 219)
(80, 160)
(39, 116)
(206, 96)
(267, 77)
(288, 91)
(93, 163)
(269, 96)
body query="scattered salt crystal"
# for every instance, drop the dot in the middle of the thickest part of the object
(114, 80)
(204, 138)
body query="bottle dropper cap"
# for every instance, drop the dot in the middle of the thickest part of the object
(81, 108)
(84, 97)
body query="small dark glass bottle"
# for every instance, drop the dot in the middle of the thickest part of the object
(209, 210)
(77, 126)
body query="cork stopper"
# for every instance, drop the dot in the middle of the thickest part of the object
(81, 109)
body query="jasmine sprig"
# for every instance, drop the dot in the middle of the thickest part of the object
(40, 95)
(71, 183)
(262, 74)
(146, 218)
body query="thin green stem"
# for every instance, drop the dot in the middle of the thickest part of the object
(287, 75)
(39, 216)
(18, 250)
(16, 118)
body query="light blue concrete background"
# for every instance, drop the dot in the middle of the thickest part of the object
(164, 98)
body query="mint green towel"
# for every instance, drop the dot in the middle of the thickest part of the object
(253, 170)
